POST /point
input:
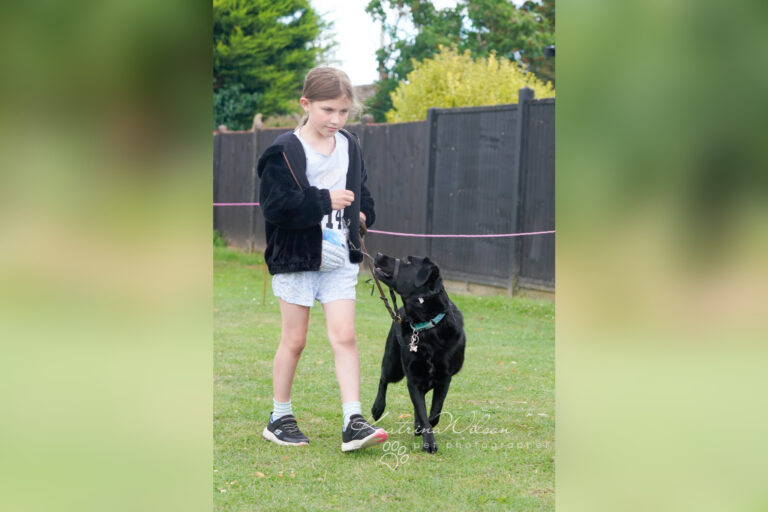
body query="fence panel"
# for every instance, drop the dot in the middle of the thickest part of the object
(537, 254)
(394, 159)
(474, 191)
(456, 173)
(233, 183)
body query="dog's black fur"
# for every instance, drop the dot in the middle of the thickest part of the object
(440, 352)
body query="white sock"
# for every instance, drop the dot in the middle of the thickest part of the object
(350, 408)
(280, 409)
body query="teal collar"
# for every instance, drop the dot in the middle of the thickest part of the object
(427, 325)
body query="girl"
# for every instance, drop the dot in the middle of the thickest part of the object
(313, 197)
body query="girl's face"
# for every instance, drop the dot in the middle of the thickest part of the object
(327, 117)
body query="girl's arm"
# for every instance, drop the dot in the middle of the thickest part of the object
(283, 203)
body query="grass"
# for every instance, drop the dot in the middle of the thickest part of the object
(497, 454)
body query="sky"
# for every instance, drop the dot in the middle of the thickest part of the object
(358, 36)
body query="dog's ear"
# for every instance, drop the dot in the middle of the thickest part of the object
(426, 273)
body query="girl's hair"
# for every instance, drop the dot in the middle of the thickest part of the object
(326, 83)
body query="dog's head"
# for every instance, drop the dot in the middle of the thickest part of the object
(408, 276)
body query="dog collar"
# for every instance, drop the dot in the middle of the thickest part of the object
(412, 346)
(427, 325)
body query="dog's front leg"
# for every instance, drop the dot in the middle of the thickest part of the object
(420, 411)
(381, 400)
(438, 398)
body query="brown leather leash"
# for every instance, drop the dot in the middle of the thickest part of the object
(369, 259)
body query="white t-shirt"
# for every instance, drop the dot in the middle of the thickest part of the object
(330, 172)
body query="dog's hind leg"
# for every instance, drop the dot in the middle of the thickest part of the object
(438, 398)
(420, 411)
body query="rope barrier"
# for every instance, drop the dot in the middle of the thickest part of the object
(420, 235)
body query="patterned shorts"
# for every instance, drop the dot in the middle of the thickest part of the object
(303, 288)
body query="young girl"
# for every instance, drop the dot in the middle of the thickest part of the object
(313, 198)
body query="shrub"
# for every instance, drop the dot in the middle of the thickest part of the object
(218, 239)
(453, 79)
(234, 108)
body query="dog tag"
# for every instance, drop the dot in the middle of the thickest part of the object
(414, 341)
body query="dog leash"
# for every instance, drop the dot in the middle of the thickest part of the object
(369, 259)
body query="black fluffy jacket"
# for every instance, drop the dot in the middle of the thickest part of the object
(293, 209)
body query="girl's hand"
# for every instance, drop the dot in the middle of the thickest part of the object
(341, 199)
(363, 227)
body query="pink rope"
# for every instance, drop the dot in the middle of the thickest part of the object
(419, 235)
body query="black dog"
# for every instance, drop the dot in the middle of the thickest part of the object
(427, 347)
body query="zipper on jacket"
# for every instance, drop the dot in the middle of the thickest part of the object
(291, 169)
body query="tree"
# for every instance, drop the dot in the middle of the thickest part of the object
(543, 66)
(507, 29)
(453, 79)
(434, 27)
(266, 47)
(481, 26)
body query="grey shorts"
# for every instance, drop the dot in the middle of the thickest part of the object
(303, 288)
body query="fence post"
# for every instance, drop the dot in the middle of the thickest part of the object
(429, 166)
(254, 181)
(518, 180)
(365, 120)
(216, 178)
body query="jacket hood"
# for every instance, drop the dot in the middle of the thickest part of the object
(288, 142)
(284, 142)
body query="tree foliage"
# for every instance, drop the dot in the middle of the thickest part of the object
(481, 26)
(453, 79)
(267, 47)
(234, 108)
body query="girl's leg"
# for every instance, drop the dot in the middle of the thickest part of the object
(356, 432)
(340, 321)
(295, 320)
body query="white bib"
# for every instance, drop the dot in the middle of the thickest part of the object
(329, 172)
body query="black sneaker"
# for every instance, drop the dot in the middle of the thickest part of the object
(359, 434)
(285, 431)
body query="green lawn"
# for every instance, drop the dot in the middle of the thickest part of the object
(497, 454)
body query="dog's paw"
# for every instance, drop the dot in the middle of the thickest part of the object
(377, 410)
(429, 445)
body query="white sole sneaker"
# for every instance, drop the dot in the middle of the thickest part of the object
(269, 436)
(376, 438)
